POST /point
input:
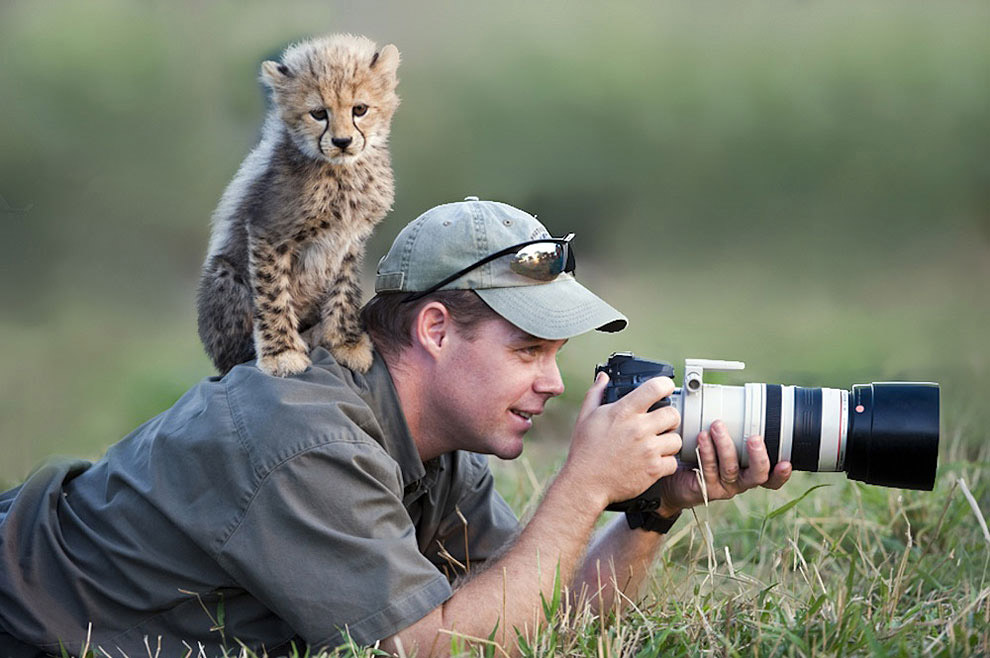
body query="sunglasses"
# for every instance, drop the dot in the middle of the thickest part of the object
(540, 260)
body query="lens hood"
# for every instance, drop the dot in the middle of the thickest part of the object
(893, 434)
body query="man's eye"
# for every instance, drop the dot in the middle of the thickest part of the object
(319, 115)
(360, 110)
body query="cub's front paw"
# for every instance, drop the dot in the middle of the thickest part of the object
(283, 364)
(356, 356)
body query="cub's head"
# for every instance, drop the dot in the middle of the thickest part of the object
(336, 95)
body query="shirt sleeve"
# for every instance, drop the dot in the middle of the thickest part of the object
(477, 522)
(327, 545)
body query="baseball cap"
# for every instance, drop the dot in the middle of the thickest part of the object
(451, 237)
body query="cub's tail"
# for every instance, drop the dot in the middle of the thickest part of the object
(224, 308)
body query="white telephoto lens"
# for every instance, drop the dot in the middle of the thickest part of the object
(806, 426)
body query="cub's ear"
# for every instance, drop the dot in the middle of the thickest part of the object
(275, 74)
(386, 61)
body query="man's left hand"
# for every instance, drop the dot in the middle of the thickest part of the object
(721, 472)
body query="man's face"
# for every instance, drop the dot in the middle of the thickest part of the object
(489, 388)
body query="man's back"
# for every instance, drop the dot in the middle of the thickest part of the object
(278, 500)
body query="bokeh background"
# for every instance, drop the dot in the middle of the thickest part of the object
(804, 186)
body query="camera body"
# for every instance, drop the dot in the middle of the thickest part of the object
(626, 372)
(884, 433)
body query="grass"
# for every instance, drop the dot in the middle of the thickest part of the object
(849, 570)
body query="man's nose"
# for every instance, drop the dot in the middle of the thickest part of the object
(341, 142)
(550, 380)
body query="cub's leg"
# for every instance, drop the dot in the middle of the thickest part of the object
(223, 304)
(281, 351)
(342, 332)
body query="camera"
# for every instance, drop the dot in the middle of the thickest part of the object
(883, 433)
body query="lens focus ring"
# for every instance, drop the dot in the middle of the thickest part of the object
(771, 433)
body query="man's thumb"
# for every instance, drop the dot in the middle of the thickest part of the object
(593, 398)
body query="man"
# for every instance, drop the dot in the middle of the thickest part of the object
(268, 510)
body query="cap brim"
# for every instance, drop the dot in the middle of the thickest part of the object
(560, 309)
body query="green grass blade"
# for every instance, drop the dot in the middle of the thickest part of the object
(788, 505)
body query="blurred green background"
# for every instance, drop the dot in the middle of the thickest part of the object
(804, 186)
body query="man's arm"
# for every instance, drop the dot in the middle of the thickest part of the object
(508, 591)
(617, 451)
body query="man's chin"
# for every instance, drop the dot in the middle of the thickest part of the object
(512, 454)
(509, 449)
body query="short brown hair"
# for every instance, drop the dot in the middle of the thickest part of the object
(388, 317)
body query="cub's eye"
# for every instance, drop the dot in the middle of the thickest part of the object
(319, 115)
(360, 110)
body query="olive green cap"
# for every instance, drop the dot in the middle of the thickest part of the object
(450, 237)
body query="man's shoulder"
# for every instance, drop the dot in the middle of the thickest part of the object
(278, 417)
(319, 387)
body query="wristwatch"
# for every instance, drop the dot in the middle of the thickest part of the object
(651, 521)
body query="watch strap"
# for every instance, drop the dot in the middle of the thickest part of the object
(651, 521)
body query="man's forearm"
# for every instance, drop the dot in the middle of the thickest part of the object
(618, 560)
(617, 451)
(508, 592)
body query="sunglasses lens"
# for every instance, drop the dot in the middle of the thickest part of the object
(541, 261)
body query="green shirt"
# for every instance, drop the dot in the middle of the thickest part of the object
(292, 508)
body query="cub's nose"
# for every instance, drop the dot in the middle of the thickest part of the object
(341, 142)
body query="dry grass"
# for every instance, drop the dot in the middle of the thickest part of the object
(850, 570)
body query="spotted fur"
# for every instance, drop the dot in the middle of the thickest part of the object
(289, 232)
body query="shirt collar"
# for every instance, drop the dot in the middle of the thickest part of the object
(377, 389)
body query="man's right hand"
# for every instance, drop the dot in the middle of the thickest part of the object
(619, 450)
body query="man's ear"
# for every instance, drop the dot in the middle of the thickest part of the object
(432, 328)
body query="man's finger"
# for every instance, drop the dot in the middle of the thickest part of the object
(781, 473)
(593, 398)
(759, 463)
(648, 393)
(665, 419)
(709, 462)
(670, 444)
(728, 460)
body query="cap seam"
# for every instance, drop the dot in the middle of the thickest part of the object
(408, 249)
(480, 240)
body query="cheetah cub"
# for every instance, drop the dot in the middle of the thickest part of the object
(289, 233)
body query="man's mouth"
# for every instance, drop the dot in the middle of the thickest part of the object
(527, 415)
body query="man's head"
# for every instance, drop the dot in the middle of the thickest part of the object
(477, 297)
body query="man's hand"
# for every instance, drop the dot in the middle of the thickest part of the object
(619, 450)
(720, 470)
